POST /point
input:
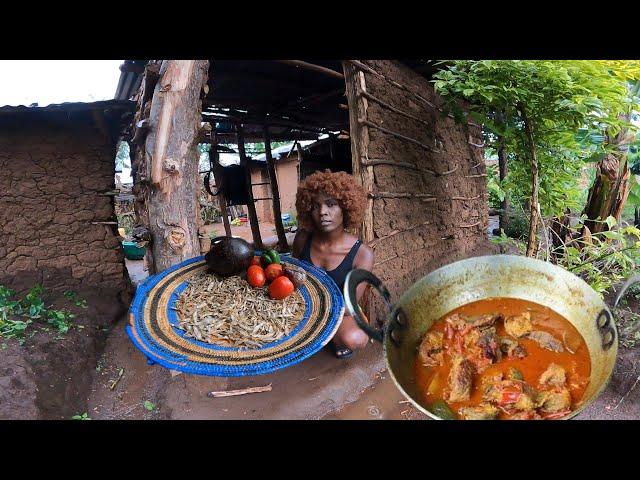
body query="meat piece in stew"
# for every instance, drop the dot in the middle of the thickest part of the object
(484, 411)
(460, 379)
(510, 395)
(518, 325)
(554, 401)
(554, 375)
(512, 348)
(462, 322)
(546, 340)
(431, 352)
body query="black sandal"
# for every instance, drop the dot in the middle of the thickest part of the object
(342, 353)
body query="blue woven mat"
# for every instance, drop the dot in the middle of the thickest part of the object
(152, 326)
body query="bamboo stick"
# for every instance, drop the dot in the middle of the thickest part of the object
(242, 391)
(394, 109)
(426, 196)
(466, 198)
(313, 67)
(396, 232)
(370, 70)
(396, 134)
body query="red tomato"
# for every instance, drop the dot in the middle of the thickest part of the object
(273, 271)
(256, 276)
(255, 261)
(281, 288)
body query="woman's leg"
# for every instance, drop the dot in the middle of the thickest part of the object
(350, 335)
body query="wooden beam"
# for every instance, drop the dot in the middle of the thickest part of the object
(275, 192)
(251, 206)
(219, 178)
(313, 67)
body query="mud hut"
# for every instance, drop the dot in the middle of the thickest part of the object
(424, 173)
(57, 220)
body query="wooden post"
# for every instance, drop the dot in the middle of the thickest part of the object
(219, 178)
(172, 161)
(251, 206)
(275, 192)
(359, 133)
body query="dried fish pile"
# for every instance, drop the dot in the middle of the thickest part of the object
(230, 312)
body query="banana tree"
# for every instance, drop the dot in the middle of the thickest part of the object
(612, 183)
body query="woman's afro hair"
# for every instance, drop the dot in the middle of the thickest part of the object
(339, 185)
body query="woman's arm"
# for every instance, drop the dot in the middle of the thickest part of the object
(363, 260)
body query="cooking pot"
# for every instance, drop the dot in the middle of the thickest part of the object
(478, 278)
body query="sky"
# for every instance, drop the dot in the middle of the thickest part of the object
(23, 82)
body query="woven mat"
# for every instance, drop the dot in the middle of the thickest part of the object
(152, 326)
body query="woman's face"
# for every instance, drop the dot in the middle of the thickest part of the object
(326, 213)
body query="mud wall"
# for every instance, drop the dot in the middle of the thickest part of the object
(427, 201)
(53, 177)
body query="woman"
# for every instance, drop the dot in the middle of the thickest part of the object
(328, 204)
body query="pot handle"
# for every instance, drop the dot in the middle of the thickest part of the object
(354, 278)
(625, 287)
(603, 321)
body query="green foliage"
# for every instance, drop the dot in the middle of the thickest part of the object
(572, 107)
(494, 187)
(149, 406)
(517, 224)
(122, 156)
(73, 298)
(602, 259)
(32, 307)
(84, 416)
(60, 320)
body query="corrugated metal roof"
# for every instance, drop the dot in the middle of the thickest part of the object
(130, 79)
(70, 107)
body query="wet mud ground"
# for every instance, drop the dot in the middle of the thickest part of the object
(106, 377)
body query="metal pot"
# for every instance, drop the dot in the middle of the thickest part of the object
(466, 281)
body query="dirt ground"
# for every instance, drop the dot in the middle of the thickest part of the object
(50, 376)
(99, 372)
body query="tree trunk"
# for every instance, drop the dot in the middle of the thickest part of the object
(502, 165)
(172, 162)
(532, 244)
(611, 186)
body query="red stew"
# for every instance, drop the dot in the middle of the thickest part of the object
(539, 370)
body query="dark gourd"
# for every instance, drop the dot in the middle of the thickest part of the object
(229, 256)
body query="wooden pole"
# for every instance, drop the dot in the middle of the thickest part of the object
(313, 67)
(251, 206)
(219, 178)
(172, 158)
(275, 192)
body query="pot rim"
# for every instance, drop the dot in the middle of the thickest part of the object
(423, 409)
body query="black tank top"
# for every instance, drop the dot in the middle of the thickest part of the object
(338, 274)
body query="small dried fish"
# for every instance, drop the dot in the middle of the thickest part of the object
(229, 312)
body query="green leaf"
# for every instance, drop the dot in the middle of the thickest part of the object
(611, 221)
(148, 405)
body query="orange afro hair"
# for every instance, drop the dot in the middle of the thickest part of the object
(339, 185)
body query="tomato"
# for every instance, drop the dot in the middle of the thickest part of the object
(255, 261)
(256, 276)
(281, 288)
(273, 271)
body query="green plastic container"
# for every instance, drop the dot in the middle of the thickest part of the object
(132, 251)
